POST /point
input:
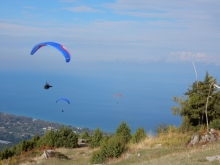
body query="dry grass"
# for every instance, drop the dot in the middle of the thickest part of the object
(172, 152)
(169, 139)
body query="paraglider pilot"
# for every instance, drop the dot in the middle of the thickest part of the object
(47, 86)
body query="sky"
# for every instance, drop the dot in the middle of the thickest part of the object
(121, 30)
(113, 39)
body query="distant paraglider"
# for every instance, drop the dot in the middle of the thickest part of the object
(47, 86)
(117, 96)
(63, 99)
(58, 46)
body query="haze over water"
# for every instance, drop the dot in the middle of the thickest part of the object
(146, 101)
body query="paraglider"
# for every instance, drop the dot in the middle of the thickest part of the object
(117, 95)
(47, 86)
(63, 99)
(58, 46)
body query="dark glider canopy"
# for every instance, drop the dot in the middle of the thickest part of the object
(63, 99)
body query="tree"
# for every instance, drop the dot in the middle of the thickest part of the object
(96, 138)
(139, 135)
(85, 136)
(201, 105)
(48, 139)
(65, 137)
(124, 132)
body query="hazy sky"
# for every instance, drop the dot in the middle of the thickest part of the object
(136, 31)
(141, 48)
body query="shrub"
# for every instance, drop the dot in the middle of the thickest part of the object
(114, 148)
(215, 124)
(48, 139)
(161, 128)
(98, 157)
(65, 137)
(96, 138)
(186, 126)
(110, 148)
(85, 136)
(139, 135)
(124, 132)
(60, 155)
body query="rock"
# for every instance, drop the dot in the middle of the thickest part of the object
(213, 158)
(47, 154)
(203, 146)
(194, 140)
(209, 137)
(127, 155)
(158, 145)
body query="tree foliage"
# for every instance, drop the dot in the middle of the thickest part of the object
(124, 132)
(139, 135)
(96, 138)
(64, 137)
(192, 106)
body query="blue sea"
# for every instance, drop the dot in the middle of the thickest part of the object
(147, 95)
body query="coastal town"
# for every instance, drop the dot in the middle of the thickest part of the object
(14, 129)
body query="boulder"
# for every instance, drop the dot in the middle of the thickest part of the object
(213, 158)
(194, 140)
(47, 154)
(209, 137)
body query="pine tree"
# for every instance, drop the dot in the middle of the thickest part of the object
(124, 132)
(200, 98)
(96, 138)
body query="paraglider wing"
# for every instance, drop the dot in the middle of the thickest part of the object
(117, 95)
(58, 46)
(64, 99)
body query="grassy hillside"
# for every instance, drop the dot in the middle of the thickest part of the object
(170, 152)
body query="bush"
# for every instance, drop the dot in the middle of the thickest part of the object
(162, 129)
(5, 154)
(48, 139)
(139, 135)
(65, 137)
(110, 148)
(85, 136)
(185, 125)
(96, 139)
(98, 157)
(215, 124)
(124, 132)
(114, 148)
(60, 155)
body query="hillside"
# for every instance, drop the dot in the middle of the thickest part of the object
(17, 128)
(139, 154)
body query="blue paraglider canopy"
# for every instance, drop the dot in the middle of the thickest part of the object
(58, 46)
(64, 99)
